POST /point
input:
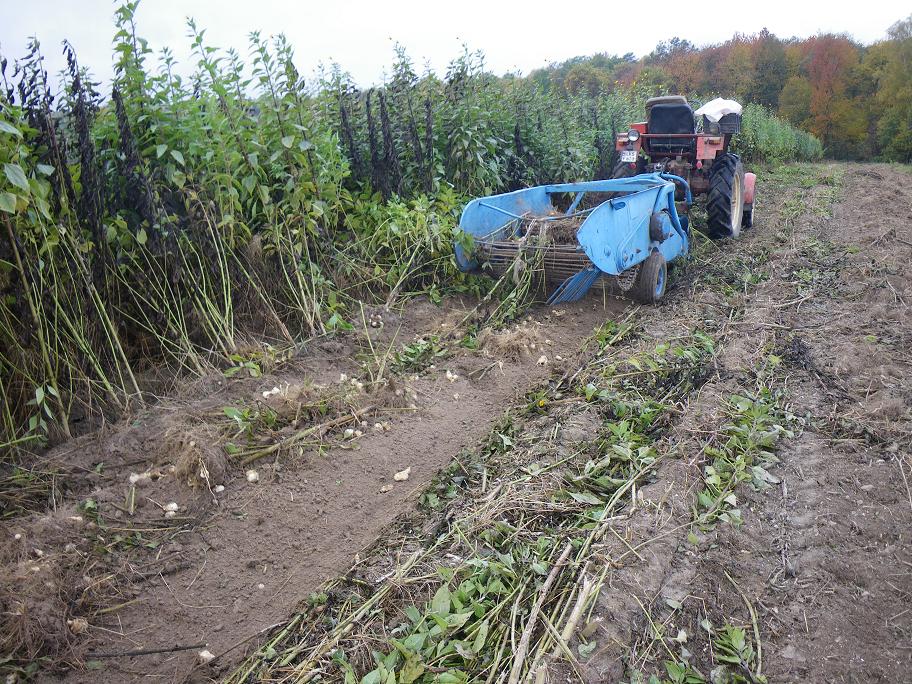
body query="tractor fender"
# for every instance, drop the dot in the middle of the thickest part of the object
(749, 180)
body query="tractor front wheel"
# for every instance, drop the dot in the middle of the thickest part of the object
(725, 201)
(651, 280)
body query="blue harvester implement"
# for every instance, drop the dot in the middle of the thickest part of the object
(631, 235)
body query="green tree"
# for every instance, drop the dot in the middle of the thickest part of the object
(770, 70)
(795, 101)
(894, 129)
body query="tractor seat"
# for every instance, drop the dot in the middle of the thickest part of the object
(672, 117)
(665, 99)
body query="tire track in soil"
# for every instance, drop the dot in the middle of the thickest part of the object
(830, 557)
(825, 557)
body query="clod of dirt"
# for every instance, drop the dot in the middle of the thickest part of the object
(78, 625)
(199, 461)
(451, 376)
(253, 476)
(386, 488)
(205, 657)
(511, 343)
(542, 360)
(403, 475)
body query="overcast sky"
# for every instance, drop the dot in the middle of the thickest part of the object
(359, 34)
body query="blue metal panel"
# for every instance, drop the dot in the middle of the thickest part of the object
(616, 235)
(488, 216)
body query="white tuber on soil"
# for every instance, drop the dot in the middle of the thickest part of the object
(140, 479)
(253, 476)
(205, 657)
(403, 475)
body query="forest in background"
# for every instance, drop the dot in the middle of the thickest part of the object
(857, 99)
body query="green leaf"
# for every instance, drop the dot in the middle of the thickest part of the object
(288, 140)
(458, 620)
(39, 394)
(16, 176)
(586, 498)
(141, 236)
(160, 150)
(585, 650)
(8, 202)
(9, 128)
(441, 601)
(412, 670)
(44, 169)
(178, 157)
(481, 637)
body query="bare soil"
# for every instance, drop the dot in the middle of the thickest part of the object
(821, 567)
(230, 563)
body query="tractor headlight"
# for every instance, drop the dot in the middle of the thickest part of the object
(633, 135)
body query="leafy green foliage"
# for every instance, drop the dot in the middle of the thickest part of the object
(744, 451)
(418, 355)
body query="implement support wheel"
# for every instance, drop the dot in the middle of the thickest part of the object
(651, 280)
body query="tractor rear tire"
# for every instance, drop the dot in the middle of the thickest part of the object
(651, 280)
(725, 201)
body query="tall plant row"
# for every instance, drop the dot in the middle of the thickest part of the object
(182, 222)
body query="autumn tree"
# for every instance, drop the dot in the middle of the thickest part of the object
(679, 59)
(832, 117)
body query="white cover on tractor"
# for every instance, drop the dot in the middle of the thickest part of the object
(716, 109)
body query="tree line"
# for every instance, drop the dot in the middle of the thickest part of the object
(857, 99)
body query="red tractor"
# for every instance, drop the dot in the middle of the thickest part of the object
(669, 142)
